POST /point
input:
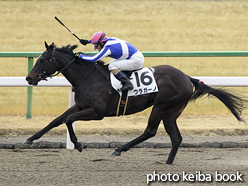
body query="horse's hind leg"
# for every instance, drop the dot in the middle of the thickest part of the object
(149, 132)
(171, 128)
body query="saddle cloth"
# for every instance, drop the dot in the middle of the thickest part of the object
(142, 80)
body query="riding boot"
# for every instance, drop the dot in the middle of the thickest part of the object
(126, 84)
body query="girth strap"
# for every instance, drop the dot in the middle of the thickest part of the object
(121, 108)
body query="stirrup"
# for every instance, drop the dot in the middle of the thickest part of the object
(126, 87)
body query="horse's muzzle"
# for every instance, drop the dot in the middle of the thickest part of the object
(32, 81)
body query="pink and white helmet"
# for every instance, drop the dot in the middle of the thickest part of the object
(98, 37)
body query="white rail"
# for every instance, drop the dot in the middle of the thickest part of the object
(231, 81)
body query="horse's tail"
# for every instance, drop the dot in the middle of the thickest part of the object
(234, 103)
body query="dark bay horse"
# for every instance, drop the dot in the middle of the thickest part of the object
(95, 98)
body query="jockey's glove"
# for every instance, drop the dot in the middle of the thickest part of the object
(77, 55)
(84, 41)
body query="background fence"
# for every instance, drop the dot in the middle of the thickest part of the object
(62, 82)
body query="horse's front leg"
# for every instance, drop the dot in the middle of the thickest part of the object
(55, 123)
(86, 114)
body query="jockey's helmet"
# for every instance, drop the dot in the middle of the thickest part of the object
(98, 37)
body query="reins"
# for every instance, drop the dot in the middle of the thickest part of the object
(84, 77)
(101, 70)
(95, 66)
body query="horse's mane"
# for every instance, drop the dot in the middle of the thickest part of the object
(68, 49)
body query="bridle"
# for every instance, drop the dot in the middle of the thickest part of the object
(43, 74)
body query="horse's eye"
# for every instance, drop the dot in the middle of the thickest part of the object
(42, 60)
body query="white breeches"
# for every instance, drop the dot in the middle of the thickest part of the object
(135, 62)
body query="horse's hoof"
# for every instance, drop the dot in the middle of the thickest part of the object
(115, 153)
(79, 147)
(28, 142)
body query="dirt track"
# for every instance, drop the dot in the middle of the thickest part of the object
(98, 167)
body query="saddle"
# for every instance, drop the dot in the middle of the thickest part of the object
(143, 81)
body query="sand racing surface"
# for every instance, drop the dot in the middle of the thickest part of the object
(135, 167)
(94, 166)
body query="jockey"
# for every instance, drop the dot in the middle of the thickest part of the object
(126, 56)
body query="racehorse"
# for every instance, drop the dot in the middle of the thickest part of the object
(95, 98)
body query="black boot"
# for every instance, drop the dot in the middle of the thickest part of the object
(126, 84)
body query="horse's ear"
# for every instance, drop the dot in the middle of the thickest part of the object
(46, 45)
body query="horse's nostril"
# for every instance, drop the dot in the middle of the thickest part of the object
(29, 79)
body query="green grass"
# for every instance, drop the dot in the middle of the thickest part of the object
(149, 25)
